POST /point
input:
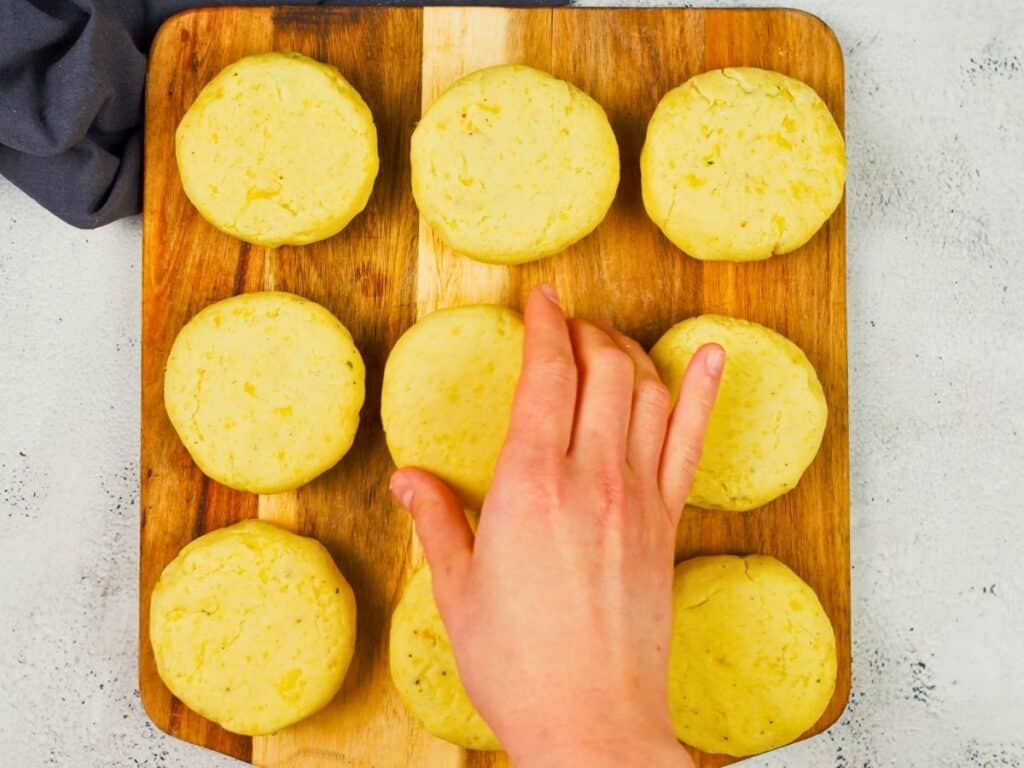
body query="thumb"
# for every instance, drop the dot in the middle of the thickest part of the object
(441, 526)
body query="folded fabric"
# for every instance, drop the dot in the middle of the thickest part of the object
(71, 80)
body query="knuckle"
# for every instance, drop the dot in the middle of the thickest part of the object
(611, 357)
(653, 394)
(539, 492)
(536, 466)
(544, 467)
(554, 371)
(610, 489)
(622, 340)
(690, 458)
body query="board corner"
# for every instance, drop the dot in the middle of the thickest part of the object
(177, 22)
(829, 37)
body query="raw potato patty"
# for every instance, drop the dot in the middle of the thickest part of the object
(264, 390)
(424, 671)
(742, 164)
(511, 165)
(447, 394)
(753, 655)
(253, 627)
(768, 420)
(278, 149)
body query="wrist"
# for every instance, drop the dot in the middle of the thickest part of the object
(604, 749)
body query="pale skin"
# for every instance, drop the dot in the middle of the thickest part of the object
(559, 606)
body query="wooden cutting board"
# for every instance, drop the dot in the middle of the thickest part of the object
(387, 269)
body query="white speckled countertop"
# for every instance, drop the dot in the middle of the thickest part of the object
(935, 131)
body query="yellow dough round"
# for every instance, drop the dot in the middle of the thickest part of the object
(753, 655)
(511, 164)
(264, 390)
(742, 164)
(768, 420)
(447, 394)
(424, 671)
(253, 627)
(278, 149)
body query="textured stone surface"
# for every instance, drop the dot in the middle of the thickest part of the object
(936, 145)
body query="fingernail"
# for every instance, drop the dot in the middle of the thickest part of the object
(550, 292)
(402, 490)
(714, 361)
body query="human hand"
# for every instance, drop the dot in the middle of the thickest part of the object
(559, 609)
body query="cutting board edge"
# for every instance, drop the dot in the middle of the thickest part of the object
(844, 680)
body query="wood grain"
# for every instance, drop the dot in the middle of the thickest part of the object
(387, 269)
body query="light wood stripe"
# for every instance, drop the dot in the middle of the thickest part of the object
(457, 41)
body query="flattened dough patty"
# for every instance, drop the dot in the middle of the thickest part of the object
(264, 390)
(424, 671)
(278, 149)
(253, 627)
(769, 418)
(753, 655)
(511, 164)
(741, 164)
(447, 394)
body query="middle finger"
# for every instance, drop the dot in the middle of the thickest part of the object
(605, 393)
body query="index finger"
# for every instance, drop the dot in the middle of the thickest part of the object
(545, 399)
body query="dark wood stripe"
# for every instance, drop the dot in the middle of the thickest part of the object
(242, 268)
(199, 523)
